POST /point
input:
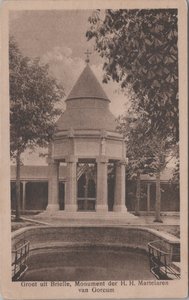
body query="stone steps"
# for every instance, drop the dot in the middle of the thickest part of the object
(125, 216)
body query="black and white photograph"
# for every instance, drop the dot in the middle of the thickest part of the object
(96, 207)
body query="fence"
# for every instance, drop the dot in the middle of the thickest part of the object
(161, 264)
(20, 254)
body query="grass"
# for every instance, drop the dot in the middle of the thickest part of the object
(21, 224)
(18, 225)
(174, 231)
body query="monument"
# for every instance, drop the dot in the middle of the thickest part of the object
(86, 134)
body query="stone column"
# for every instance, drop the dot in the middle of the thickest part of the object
(148, 197)
(102, 185)
(24, 195)
(53, 186)
(71, 185)
(119, 194)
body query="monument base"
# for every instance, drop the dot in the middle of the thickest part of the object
(101, 208)
(70, 208)
(87, 218)
(120, 208)
(52, 207)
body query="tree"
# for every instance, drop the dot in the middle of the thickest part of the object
(175, 180)
(33, 97)
(148, 153)
(134, 132)
(160, 152)
(140, 52)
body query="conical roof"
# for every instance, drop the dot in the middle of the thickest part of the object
(87, 86)
(87, 106)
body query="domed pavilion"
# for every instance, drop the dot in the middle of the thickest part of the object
(86, 139)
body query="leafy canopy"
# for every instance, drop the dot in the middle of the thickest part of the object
(33, 98)
(147, 152)
(140, 51)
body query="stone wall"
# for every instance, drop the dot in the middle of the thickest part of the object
(41, 237)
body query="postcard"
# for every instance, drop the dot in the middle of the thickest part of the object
(93, 149)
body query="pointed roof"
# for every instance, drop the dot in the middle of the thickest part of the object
(87, 86)
(87, 106)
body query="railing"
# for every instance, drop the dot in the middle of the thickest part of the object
(161, 261)
(20, 254)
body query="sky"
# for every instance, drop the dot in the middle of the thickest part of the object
(58, 38)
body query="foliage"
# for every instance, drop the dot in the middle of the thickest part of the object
(147, 151)
(175, 180)
(140, 52)
(33, 96)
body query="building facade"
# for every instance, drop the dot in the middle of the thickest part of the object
(34, 191)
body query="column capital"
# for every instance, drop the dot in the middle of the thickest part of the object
(103, 134)
(70, 133)
(71, 159)
(24, 181)
(121, 162)
(53, 162)
(49, 159)
(102, 159)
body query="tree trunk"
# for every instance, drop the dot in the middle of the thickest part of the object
(137, 203)
(17, 217)
(158, 200)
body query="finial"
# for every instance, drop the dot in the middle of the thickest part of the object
(87, 60)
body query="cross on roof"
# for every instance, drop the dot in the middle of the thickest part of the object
(87, 60)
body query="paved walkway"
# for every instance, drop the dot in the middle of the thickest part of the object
(170, 223)
(58, 219)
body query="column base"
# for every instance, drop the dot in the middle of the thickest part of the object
(70, 208)
(52, 207)
(119, 208)
(101, 208)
